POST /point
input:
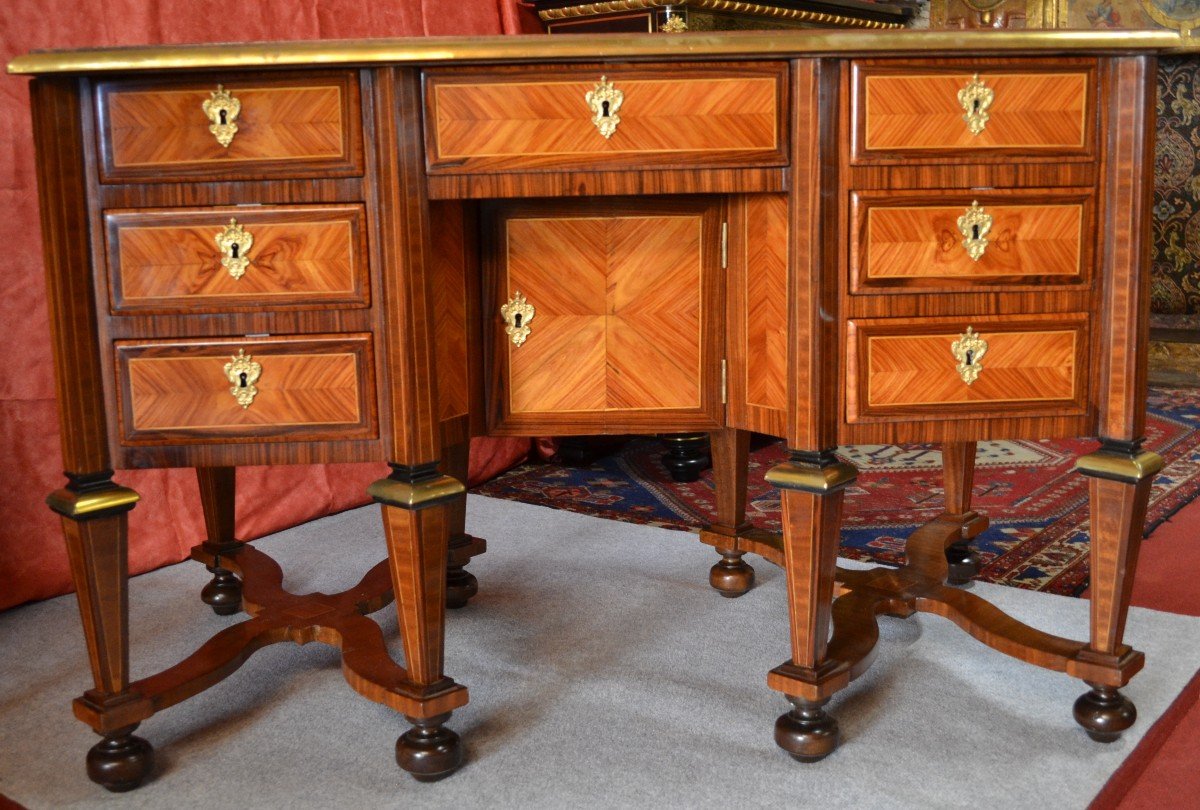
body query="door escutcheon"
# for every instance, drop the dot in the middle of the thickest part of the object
(517, 314)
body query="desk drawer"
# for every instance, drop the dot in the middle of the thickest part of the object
(955, 240)
(299, 125)
(260, 257)
(664, 116)
(970, 367)
(973, 111)
(246, 389)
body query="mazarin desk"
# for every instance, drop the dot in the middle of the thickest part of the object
(324, 251)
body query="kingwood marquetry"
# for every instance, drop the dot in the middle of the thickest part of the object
(300, 257)
(718, 114)
(152, 131)
(757, 245)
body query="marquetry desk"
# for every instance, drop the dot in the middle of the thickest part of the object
(320, 252)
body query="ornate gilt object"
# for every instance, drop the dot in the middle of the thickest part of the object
(222, 110)
(975, 225)
(975, 99)
(604, 102)
(674, 25)
(968, 350)
(234, 241)
(242, 373)
(517, 314)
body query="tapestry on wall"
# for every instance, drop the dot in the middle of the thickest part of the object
(1175, 282)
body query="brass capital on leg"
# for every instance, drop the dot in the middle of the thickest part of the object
(90, 496)
(819, 473)
(1120, 461)
(415, 487)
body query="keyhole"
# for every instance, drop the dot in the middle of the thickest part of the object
(970, 358)
(517, 320)
(974, 235)
(604, 109)
(233, 249)
(223, 114)
(242, 379)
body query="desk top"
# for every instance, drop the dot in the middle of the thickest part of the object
(590, 48)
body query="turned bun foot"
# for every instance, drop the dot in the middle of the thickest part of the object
(224, 593)
(962, 564)
(806, 732)
(732, 576)
(687, 456)
(120, 761)
(429, 751)
(460, 587)
(1104, 713)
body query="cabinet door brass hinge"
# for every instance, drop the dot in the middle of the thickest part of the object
(724, 381)
(724, 245)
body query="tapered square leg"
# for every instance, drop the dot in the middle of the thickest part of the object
(1119, 480)
(958, 472)
(95, 524)
(732, 576)
(217, 494)
(416, 523)
(811, 488)
(461, 584)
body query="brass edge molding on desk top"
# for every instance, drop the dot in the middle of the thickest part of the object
(593, 47)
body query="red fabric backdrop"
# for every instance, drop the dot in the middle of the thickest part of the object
(33, 561)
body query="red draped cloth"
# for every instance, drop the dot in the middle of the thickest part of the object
(167, 522)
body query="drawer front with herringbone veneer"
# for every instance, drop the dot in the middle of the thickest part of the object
(249, 389)
(908, 368)
(260, 257)
(234, 127)
(957, 240)
(608, 117)
(973, 112)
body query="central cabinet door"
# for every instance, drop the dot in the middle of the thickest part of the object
(607, 315)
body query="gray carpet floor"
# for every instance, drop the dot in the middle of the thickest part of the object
(604, 672)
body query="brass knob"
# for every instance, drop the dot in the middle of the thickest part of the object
(242, 373)
(975, 99)
(517, 314)
(974, 225)
(604, 101)
(968, 350)
(235, 242)
(222, 110)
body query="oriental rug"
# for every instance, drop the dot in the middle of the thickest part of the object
(1037, 540)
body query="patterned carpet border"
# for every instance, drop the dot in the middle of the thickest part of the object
(1038, 537)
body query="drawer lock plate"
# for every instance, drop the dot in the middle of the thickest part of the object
(222, 110)
(968, 350)
(235, 242)
(243, 372)
(975, 99)
(604, 101)
(974, 225)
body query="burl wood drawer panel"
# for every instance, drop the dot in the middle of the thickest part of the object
(620, 328)
(248, 389)
(973, 112)
(907, 368)
(230, 126)
(953, 240)
(660, 116)
(256, 257)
